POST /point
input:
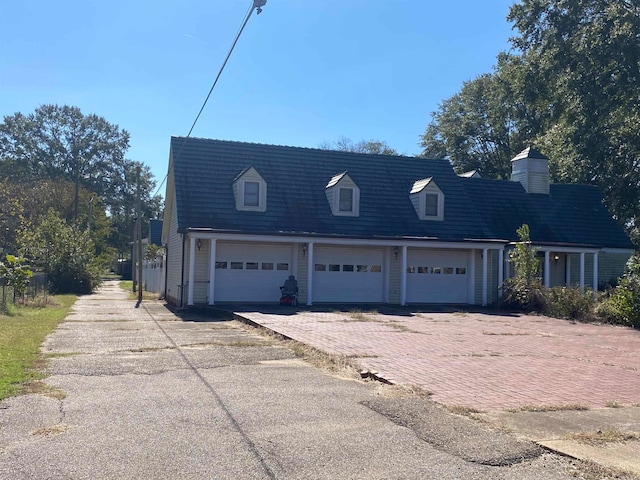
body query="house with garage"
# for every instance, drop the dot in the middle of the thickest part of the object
(358, 228)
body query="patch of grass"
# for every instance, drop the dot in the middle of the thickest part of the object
(403, 391)
(127, 286)
(614, 404)
(603, 437)
(21, 335)
(340, 364)
(38, 387)
(463, 410)
(548, 408)
(51, 430)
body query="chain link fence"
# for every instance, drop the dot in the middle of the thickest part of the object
(36, 287)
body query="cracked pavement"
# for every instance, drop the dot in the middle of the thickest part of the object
(151, 395)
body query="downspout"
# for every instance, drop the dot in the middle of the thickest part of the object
(184, 239)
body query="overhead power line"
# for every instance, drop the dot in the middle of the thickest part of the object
(255, 5)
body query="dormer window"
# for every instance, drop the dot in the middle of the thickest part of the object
(427, 200)
(343, 196)
(431, 204)
(346, 200)
(250, 191)
(251, 194)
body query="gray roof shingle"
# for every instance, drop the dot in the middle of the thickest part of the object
(204, 171)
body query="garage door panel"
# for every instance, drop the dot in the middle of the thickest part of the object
(348, 275)
(437, 276)
(251, 273)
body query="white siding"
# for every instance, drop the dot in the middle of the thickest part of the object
(174, 258)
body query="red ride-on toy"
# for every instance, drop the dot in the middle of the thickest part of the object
(289, 292)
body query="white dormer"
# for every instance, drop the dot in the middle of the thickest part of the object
(343, 196)
(250, 191)
(427, 199)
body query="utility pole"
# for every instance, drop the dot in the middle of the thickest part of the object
(139, 234)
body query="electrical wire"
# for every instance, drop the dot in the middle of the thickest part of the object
(254, 6)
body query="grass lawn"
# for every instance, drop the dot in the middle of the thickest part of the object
(21, 336)
(127, 286)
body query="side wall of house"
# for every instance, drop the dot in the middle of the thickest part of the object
(174, 258)
(201, 278)
(611, 266)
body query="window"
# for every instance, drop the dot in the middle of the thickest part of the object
(283, 266)
(431, 204)
(251, 194)
(347, 268)
(427, 199)
(423, 269)
(447, 270)
(375, 268)
(320, 267)
(343, 196)
(250, 191)
(236, 265)
(362, 268)
(334, 268)
(411, 269)
(461, 271)
(267, 266)
(436, 270)
(346, 200)
(221, 265)
(252, 265)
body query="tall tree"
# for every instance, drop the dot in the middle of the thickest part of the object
(570, 86)
(344, 144)
(475, 128)
(60, 143)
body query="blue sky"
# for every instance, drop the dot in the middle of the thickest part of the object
(304, 72)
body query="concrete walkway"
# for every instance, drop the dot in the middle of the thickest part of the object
(140, 393)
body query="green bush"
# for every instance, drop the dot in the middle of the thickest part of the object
(65, 252)
(622, 304)
(570, 302)
(524, 291)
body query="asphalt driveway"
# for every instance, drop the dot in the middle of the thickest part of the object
(141, 393)
(482, 361)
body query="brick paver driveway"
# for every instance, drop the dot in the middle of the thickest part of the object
(489, 362)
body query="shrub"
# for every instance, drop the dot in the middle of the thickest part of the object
(524, 291)
(570, 302)
(622, 306)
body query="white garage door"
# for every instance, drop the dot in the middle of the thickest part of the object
(348, 275)
(437, 276)
(251, 273)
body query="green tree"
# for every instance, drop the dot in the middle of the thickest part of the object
(583, 60)
(476, 128)
(375, 147)
(61, 144)
(570, 86)
(524, 290)
(16, 273)
(65, 252)
(622, 306)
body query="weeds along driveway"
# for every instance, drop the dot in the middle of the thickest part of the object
(483, 361)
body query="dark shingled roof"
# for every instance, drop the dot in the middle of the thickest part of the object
(155, 231)
(204, 171)
(571, 214)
